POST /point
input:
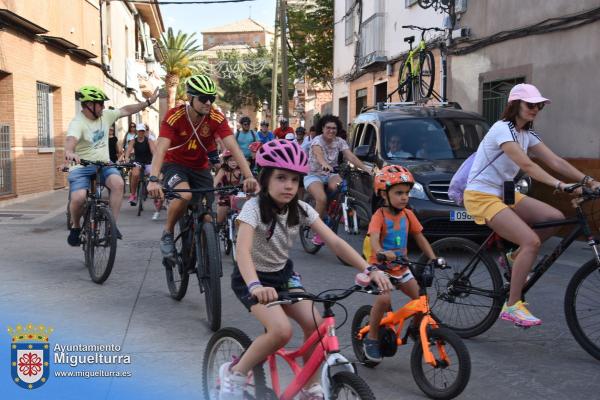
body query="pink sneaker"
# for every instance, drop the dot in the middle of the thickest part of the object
(519, 315)
(315, 392)
(132, 199)
(317, 241)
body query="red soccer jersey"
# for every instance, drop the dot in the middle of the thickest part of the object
(185, 148)
(280, 133)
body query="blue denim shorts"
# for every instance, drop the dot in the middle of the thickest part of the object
(79, 178)
(310, 179)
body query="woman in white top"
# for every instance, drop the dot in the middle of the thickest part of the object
(503, 151)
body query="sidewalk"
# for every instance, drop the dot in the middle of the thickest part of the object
(33, 209)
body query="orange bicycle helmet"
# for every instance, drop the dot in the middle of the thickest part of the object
(391, 175)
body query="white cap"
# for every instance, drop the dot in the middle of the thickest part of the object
(290, 136)
(140, 127)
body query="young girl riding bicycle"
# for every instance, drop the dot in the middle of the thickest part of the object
(267, 225)
(230, 174)
(388, 235)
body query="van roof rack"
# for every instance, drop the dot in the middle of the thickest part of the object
(381, 106)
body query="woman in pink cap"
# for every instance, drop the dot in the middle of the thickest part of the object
(504, 151)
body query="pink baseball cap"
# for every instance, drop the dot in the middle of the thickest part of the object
(528, 93)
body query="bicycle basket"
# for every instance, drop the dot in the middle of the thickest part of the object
(388, 343)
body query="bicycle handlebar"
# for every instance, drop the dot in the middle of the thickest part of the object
(86, 163)
(414, 27)
(174, 193)
(292, 297)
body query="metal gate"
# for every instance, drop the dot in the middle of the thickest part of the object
(5, 161)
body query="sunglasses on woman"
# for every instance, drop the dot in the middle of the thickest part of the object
(531, 106)
(206, 97)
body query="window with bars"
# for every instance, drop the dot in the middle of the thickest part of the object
(495, 97)
(5, 160)
(44, 115)
(361, 100)
(349, 23)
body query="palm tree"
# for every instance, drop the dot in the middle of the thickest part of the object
(178, 52)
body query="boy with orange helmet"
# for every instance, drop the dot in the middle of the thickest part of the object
(388, 235)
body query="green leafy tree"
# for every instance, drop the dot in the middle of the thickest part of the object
(310, 33)
(178, 52)
(241, 87)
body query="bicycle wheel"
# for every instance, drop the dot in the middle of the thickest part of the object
(361, 319)
(208, 270)
(224, 346)
(363, 217)
(101, 248)
(451, 374)
(233, 237)
(185, 255)
(140, 197)
(466, 302)
(347, 385)
(426, 73)
(405, 82)
(582, 308)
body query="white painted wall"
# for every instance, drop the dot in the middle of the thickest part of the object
(396, 15)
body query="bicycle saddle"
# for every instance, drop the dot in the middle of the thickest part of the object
(409, 39)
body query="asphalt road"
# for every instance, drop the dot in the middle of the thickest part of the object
(45, 279)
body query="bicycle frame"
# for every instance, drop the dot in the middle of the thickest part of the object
(326, 344)
(546, 262)
(395, 320)
(412, 64)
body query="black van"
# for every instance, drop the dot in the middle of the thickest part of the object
(432, 142)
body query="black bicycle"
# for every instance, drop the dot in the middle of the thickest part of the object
(141, 190)
(99, 230)
(197, 252)
(469, 296)
(341, 207)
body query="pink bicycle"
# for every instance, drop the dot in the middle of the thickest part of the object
(230, 343)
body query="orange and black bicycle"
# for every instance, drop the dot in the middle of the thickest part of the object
(440, 362)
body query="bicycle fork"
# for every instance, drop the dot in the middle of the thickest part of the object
(349, 227)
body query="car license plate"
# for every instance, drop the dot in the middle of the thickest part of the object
(460, 216)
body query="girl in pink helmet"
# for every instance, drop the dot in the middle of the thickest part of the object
(267, 225)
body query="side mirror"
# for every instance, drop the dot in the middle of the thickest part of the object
(363, 153)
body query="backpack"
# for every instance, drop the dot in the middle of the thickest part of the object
(366, 246)
(459, 182)
(237, 135)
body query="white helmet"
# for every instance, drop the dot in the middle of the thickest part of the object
(290, 136)
(140, 127)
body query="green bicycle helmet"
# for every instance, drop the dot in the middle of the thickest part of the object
(200, 84)
(90, 93)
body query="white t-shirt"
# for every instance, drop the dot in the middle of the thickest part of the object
(331, 152)
(92, 135)
(271, 255)
(491, 178)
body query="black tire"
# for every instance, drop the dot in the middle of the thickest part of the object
(426, 73)
(233, 239)
(140, 196)
(426, 3)
(222, 347)
(185, 255)
(306, 236)
(446, 381)
(345, 383)
(466, 314)
(208, 270)
(405, 84)
(360, 319)
(362, 215)
(101, 244)
(582, 308)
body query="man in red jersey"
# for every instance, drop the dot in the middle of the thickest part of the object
(186, 144)
(283, 128)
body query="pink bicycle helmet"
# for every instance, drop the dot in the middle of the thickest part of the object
(283, 154)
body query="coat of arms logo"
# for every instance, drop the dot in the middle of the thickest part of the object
(30, 355)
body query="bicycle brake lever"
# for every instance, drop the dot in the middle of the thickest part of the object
(282, 302)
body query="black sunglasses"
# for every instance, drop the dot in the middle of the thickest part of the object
(206, 97)
(531, 106)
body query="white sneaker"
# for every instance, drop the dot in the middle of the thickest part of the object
(156, 215)
(232, 384)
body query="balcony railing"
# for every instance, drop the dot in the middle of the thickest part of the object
(372, 40)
